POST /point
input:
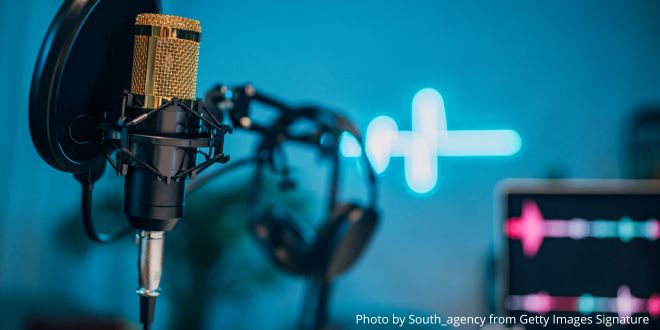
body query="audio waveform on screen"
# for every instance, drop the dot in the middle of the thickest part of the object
(624, 304)
(532, 229)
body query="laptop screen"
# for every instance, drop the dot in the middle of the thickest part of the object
(587, 254)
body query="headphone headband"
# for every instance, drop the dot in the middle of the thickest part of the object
(329, 121)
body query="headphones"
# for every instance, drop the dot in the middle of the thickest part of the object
(319, 254)
(343, 236)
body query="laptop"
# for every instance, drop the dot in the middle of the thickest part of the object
(580, 253)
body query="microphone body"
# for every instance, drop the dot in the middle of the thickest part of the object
(150, 202)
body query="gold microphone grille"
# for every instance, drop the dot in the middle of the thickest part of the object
(169, 21)
(165, 58)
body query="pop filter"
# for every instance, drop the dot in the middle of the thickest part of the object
(83, 65)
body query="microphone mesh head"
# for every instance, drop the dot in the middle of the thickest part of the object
(165, 58)
(170, 21)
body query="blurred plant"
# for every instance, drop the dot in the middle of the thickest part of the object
(205, 260)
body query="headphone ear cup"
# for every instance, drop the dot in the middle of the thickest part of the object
(343, 238)
(283, 240)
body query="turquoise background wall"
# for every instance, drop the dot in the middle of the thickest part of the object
(566, 75)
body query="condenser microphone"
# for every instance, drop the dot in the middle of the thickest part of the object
(163, 85)
(165, 58)
(156, 134)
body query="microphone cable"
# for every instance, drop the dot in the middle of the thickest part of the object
(147, 309)
(87, 180)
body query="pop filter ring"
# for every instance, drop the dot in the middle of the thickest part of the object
(84, 62)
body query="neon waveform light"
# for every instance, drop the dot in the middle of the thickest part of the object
(531, 228)
(428, 139)
(624, 304)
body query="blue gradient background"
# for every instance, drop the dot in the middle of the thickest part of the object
(565, 74)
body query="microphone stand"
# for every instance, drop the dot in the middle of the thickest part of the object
(236, 103)
(315, 305)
